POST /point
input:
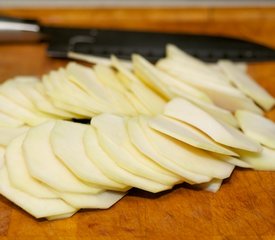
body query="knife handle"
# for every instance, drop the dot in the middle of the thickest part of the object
(13, 30)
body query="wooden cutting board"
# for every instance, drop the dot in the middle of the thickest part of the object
(244, 208)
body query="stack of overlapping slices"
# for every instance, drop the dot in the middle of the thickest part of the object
(149, 127)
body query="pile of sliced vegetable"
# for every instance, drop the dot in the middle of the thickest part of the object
(152, 126)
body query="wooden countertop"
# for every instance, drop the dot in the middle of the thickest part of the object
(244, 208)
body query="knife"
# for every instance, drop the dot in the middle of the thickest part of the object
(151, 45)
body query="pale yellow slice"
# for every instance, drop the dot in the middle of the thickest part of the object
(222, 133)
(37, 207)
(67, 143)
(192, 159)
(247, 85)
(19, 173)
(187, 134)
(140, 139)
(115, 128)
(46, 167)
(257, 128)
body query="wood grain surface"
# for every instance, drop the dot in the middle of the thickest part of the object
(244, 208)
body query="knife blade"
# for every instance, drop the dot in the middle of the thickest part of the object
(151, 45)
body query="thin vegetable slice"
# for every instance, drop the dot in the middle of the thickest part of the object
(19, 174)
(45, 166)
(187, 134)
(257, 128)
(67, 143)
(185, 111)
(37, 207)
(247, 85)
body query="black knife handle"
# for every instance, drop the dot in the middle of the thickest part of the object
(19, 30)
